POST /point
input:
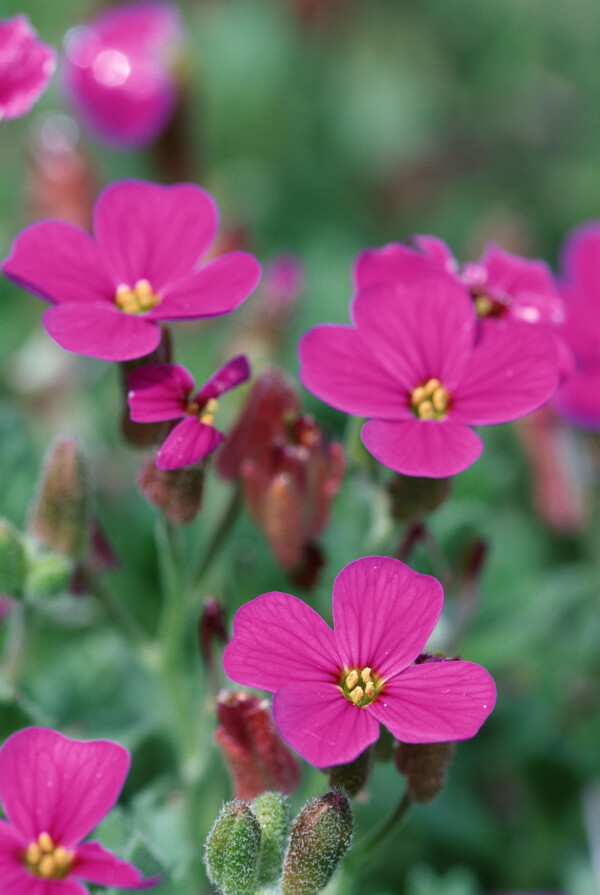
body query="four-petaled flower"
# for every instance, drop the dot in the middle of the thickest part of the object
(119, 70)
(54, 791)
(163, 392)
(110, 293)
(332, 688)
(418, 365)
(26, 66)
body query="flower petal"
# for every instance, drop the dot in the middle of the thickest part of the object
(101, 330)
(150, 232)
(158, 392)
(436, 702)
(578, 400)
(419, 331)
(383, 614)
(277, 640)
(58, 262)
(394, 264)
(512, 371)
(217, 288)
(436, 251)
(12, 845)
(95, 864)
(64, 787)
(321, 724)
(422, 447)
(188, 443)
(26, 884)
(341, 369)
(233, 373)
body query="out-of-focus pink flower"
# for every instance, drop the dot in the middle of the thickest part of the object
(417, 365)
(257, 758)
(332, 688)
(109, 294)
(283, 282)
(26, 66)
(163, 392)
(502, 285)
(54, 791)
(119, 70)
(578, 399)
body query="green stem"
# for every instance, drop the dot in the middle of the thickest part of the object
(368, 842)
(116, 611)
(220, 534)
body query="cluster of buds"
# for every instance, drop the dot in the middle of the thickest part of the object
(257, 757)
(251, 846)
(290, 472)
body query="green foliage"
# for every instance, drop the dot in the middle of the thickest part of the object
(13, 559)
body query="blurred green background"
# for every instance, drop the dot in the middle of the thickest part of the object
(322, 128)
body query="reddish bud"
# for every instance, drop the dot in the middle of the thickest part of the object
(60, 514)
(425, 766)
(257, 758)
(178, 492)
(211, 627)
(352, 777)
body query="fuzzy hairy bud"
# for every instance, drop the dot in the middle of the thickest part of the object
(425, 766)
(352, 777)
(320, 837)
(272, 811)
(233, 850)
(178, 492)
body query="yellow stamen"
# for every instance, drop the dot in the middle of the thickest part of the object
(352, 680)
(366, 675)
(209, 412)
(46, 860)
(370, 690)
(137, 300)
(356, 695)
(430, 400)
(360, 685)
(483, 306)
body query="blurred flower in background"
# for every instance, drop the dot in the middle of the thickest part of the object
(26, 66)
(119, 71)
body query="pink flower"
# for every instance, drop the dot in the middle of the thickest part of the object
(26, 66)
(578, 400)
(54, 791)
(502, 285)
(332, 688)
(109, 294)
(413, 364)
(163, 392)
(119, 71)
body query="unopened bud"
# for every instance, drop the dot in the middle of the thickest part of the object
(352, 777)
(425, 766)
(211, 627)
(273, 814)
(413, 497)
(60, 513)
(321, 836)
(257, 757)
(233, 850)
(49, 574)
(178, 492)
(13, 559)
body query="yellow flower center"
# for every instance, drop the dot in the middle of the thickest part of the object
(48, 861)
(430, 401)
(360, 685)
(206, 413)
(138, 300)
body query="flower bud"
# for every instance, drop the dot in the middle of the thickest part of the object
(60, 513)
(13, 559)
(233, 850)
(273, 814)
(211, 627)
(178, 492)
(320, 837)
(425, 766)
(48, 575)
(351, 777)
(413, 497)
(257, 758)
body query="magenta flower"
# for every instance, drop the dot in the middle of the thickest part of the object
(163, 392)
(578, 399)
(413, 364)
(26, 66)
(110, 293)
(502, 285)
(119, 71)
(54, 791)
(333, 688)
